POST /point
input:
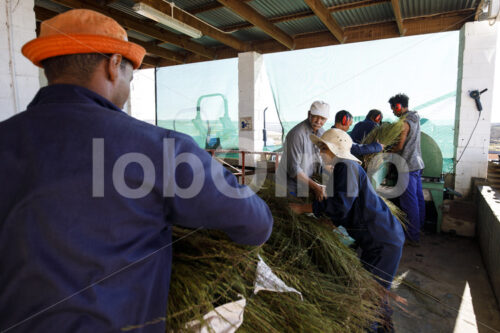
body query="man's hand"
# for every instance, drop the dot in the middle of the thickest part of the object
(319, 191)
(383, 146)
(300, 208)
(402, 138)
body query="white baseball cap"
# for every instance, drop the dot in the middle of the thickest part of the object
(320, 108)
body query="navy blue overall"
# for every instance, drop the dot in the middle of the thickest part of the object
(362, 129)
(74, 251)
(413, 204)
(353, 203)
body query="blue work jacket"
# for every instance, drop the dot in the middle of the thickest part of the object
(353, 203)
(86, 225)
(362, 149)
(361, 129)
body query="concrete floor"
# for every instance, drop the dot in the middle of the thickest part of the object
(447, 288)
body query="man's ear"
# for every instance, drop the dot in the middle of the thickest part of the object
(113, 66)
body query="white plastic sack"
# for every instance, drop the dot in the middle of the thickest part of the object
(267, 280)
(226, 318)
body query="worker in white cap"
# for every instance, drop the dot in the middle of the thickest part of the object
(301, 158)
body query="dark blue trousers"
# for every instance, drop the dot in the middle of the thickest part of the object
(413, 204)
(379, 258)
(382, 260)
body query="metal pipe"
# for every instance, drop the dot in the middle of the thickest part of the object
(264, 132)
(243, 167)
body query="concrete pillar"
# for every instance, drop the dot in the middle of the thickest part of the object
(143, 95)
(252, 88)
(19, 78)
(478, 59)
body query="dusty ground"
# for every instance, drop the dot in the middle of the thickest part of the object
(446, 287)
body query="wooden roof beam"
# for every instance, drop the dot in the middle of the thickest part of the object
(251, 15)
(307, 13)
(273, 20)
(106, 2)
(326, 17)
(167, 63)
(194, 22)
(209, 6)
(355, 5)
(143, 27)
(399, 18)
(149, 62)
(43, 14)
(346, 6)
(374, 31)
(161, 52)
(479, 9)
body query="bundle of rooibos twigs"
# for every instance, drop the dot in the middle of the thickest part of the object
(338, 294)
(387, 134)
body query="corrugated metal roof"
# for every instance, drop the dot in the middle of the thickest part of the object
(51, 6)
(208, 41)
(384, 11)
(249, 34)
(191, 4)
(136, 35)
(412, 8)
(305, 25)
(220, 17)
(223, 17)
(172, 48)
(331, 3)
(278, 8)
(167, 28)
(126, 7)
(377, 13)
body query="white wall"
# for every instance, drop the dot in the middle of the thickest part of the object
(19, 79)
(142, 96)
(254, 96)
(250, 68)
(478, 59)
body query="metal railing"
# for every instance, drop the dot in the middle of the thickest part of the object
(242, 153)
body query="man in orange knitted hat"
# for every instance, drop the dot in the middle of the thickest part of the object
(88, 49)
(89, 195)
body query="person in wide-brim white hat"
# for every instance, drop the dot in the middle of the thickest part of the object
(335, 141)
(352, 202)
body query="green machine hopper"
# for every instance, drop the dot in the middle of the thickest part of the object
(432, 179)
(221, 134)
